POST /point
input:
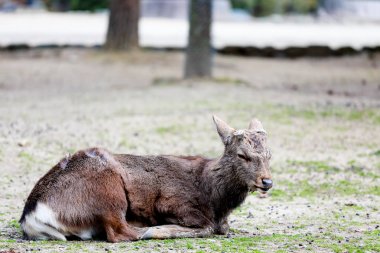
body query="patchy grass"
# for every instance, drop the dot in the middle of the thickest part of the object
(361, 171)
(26, 157)
(287, 190)
(229, 81)
(325, 147)
(352, 166)
(258, 243)
(316, 166)
(174, 129)
(14, 224)
(287, 112)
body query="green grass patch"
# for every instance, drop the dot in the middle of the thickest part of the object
(166, 81)
(124, 143)
(361, 170)
(322, 166)
(258, 243)
(26, 157)
(375, 232)
(319, 166)
(230, 81)
(14, 224)
(375, 190)
(278, 194)
(281, 112)
(287, 190)
(172, 129)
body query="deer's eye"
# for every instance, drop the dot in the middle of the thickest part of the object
(245, 158)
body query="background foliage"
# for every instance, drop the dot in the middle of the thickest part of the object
(267, 7)
(258, 8)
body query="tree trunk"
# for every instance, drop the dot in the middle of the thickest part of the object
(198, 55)
(123, 25)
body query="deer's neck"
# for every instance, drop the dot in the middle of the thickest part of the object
(228, 190)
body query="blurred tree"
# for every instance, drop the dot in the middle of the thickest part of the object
(123, 32)
(198, 54)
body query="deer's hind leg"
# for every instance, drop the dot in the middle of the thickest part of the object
(117, 229)
(175, 231)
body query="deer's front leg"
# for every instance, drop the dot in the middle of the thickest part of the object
(175, 231)
(222, 227)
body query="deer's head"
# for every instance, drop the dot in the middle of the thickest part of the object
(247, 151)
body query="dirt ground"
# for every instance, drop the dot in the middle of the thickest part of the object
(322, 117)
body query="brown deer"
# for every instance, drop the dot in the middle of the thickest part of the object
(121, 197)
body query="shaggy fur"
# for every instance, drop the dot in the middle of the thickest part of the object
(128, 197)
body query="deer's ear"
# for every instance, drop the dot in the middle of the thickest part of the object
(255, 125)
(224, 130)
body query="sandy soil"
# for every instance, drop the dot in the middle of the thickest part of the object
(322, 116)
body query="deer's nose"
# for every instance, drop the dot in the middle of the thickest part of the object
(267, 183)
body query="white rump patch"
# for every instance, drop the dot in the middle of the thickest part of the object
(42, 224)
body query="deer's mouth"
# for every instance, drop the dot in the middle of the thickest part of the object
(259, 189)
(263, 190)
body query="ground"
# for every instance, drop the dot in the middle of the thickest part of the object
(322, 117)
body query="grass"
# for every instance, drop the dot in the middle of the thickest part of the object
(279, 242)
(14, 224)
(325, 167)
(174, 129)
(26, 157)
(288, 112)
(287, 190)
(323, 190)
(317, 166)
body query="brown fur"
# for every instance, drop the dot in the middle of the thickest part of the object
(116, 194)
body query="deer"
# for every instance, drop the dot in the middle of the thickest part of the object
(95, 194)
